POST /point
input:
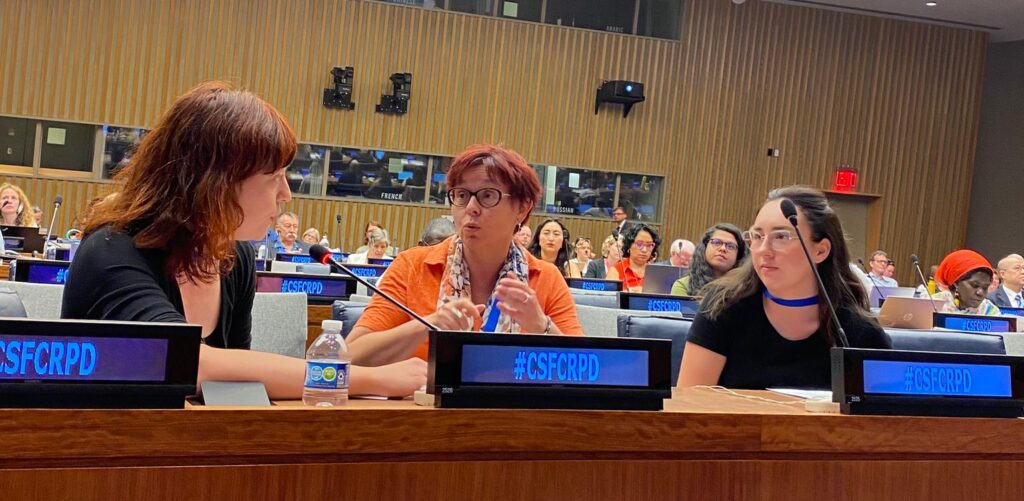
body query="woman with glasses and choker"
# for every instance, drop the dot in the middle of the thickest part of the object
(720, 250)
(477, 279)
(766, 324)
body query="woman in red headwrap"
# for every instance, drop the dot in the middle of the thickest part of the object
(967, 275)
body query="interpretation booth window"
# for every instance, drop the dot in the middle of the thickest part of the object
(377, 175)
(640, 195)
(652, 18)
(306, 172)
(68, 146)
(577, 192)
(17, 141)
(119, 144)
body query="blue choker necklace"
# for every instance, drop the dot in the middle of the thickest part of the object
(792, 303)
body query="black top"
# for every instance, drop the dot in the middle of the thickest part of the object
(758, 357)
(110, 279)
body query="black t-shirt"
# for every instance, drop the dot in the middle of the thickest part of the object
(758, 357)
(111, 279)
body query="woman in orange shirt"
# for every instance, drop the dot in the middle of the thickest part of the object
(639, 248)
(492, 191)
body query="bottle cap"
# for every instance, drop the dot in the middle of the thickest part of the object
(331, 325)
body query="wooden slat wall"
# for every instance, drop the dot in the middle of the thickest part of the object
(898, 100)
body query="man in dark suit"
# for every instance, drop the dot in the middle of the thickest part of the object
(619, 215)
(1011, 276)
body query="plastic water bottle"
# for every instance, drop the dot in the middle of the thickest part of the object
(261, 253)
(327, 363)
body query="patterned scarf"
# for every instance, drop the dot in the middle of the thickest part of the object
(455, 283)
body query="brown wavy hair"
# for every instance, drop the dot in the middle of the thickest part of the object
(844, 288)
(179, 191)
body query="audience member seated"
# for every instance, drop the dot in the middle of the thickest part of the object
(611, 254)
(15, 208)
(170, 247)
(376, 250)
(524, 236)
(437, 231)
(966, 276)
(370, 226)
(311, 237)
(1008, 295)
(551, 243)
(765, 324)
(890, 271)
(680, 254)
(583, 250)
(639, 248)
(876, 269)
(37, 215)
(287, 235)
(492, 191)
(720, 250)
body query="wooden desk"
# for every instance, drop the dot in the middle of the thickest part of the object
(705, 445)
(315, 314)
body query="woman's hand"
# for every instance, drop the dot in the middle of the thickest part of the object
(399, 379)
(458, 315)
(519, 302)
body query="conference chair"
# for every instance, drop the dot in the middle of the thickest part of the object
(42, 301)
(279, 323)
(947, 341)
(674, 329)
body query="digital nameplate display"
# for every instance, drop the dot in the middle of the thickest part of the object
(922, 383)
(480, 370)
(321, 288)
(923, 378)
(47, 273)
(595, 284)
(294, 258)
(367, 270)
(686, 305)
(39, 271)
(531, 365)
(975, 323)
(89, 364)
(380, 262)
(1018, 312)
(82, 358)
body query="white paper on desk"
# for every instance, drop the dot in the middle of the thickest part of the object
(368, 397)
(805, 394)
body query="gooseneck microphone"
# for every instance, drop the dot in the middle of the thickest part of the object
(877, 286)
(53, 220)
(789, 210)
(323, 255)
(924, 283)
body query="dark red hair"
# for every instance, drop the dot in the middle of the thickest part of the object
(179, 191)
(502, 165)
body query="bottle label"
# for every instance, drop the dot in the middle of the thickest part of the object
(326, 375)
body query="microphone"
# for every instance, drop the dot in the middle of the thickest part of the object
(789, 210)
(924, 283)
(337, 217)
(880, 295)
(53, 220)
(321, 254)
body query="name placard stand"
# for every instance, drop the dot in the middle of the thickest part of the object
(919, 383)
(481, 370)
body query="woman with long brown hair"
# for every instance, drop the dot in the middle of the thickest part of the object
(169, 247)
(765, 323)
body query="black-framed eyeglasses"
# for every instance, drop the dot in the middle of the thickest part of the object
(486, 197)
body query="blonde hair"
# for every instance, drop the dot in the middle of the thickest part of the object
(25, 216)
